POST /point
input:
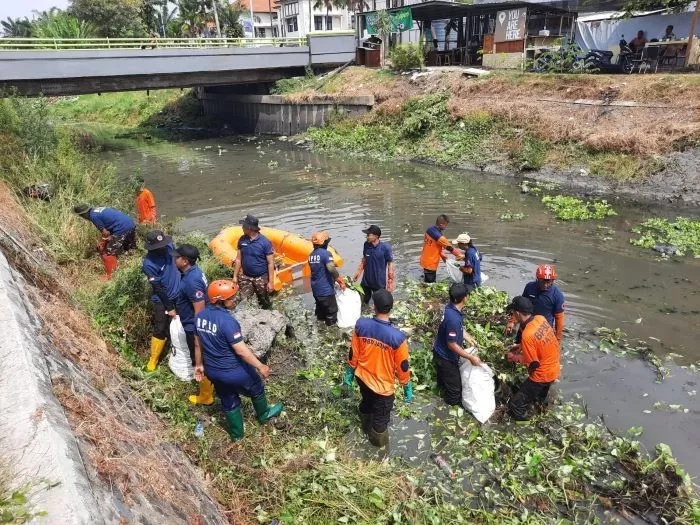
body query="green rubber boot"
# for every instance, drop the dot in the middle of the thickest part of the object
(366, 422)
(235, 423)
(378, 439)
(264, 411)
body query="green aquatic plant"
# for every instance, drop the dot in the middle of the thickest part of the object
(572, 209)
(683, 234)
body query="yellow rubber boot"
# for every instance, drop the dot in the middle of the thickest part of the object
(206, 393)
(157, 346)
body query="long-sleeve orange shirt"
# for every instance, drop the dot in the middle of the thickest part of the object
(146, 207)
(540, 350)
(433, 244)
(379, 353)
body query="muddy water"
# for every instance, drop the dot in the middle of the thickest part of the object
(607, 281)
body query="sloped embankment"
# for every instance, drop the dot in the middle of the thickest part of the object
(82, 445)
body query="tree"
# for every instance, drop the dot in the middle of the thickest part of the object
(358, 5)
(382, 24)
(62, 25)
(229, 18)
(111, 18)
(16, 28)
(328, 4)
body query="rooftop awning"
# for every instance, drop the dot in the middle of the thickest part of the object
(444, 9)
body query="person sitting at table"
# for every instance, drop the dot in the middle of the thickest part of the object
(638, 42)
(668, 35)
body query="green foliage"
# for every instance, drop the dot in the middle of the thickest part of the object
(532, 155)
(570, 208)
(562, 61)
(62, 25)
(422, 114)
(110, 18)
(683, 233)
(26, 119)
(16, 27)
(405, 57)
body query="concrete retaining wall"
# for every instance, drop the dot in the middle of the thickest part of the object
(274, 115)
(37, 440)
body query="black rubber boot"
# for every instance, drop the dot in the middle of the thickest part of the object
(378, 439)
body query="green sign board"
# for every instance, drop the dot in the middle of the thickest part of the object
(401, 20)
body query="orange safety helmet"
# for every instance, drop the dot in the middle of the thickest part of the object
(319, 238)
(546, 271)
(221, 290)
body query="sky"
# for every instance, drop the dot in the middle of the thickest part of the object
(22, 8)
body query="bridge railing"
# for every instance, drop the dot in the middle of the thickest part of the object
(62, 44)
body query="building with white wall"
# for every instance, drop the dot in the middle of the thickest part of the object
(265, 17)
(299, 18)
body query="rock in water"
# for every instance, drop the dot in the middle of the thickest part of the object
(260, 327)
(665, 249)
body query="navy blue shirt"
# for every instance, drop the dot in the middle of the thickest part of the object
(161, 269)
(545, 303)
(254, 255)
(193, 289)
(376, 260)
(114, 221)
(451, 331)
(472, 259)
(218, 330)
(322, 281)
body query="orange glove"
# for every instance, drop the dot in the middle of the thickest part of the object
(514, 358)
(559, 325)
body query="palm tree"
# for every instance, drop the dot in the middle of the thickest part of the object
(358, 5)
(62, 25)
(16, 28)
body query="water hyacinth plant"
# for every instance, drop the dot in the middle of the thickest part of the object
(572, 209)
(683, 234)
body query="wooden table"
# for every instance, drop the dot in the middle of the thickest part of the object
(678, 44)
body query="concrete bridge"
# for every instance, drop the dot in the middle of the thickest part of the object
(72, 68)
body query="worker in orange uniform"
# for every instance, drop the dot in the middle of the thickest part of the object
(433, 244)
(145, 204)
(378, 353)
(538, 350)
(547, 300)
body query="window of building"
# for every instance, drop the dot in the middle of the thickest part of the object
(261, 32)
(275, 33)
(352, 22)
(292, 25)
(329, 23)
(290, 9)
(318, 23)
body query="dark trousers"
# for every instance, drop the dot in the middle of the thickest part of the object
(377, 405)
(327, 309)
(449, 380)
(368, 291)
(119, 244)
(257, 285)
(429, 276)
(190, 344)
(530, 392)
(229, 385)
(160, 321)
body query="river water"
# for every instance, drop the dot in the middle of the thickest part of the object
(607, 281)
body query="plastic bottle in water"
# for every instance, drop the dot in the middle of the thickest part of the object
(199, 429)
(440, 462)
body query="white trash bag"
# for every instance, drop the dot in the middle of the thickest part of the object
(453, 271)
(477, 389)
(179, 361)
(349, 307)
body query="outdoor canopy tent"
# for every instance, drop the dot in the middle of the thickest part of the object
(604, 30)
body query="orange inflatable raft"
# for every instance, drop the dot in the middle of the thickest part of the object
(291, 251)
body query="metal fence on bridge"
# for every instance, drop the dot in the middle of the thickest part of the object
(61, 44)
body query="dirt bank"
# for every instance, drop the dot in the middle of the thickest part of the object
(632, 135)
(135, 473)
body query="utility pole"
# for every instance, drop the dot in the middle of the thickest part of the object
(216, 19)
(692, 36)
(252, 16)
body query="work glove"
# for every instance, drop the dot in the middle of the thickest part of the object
(349, 375)
(408, 392)
(346, 386)
(509, 328)
(514, 358)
